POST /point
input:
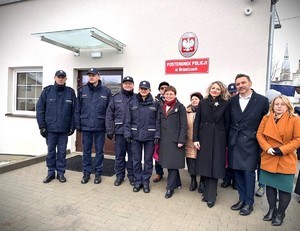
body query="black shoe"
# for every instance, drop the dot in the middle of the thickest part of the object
(270, 215)
(225, 184)
(169, 193)
(118, 182)
(137, 188)
(238, 206)
(210, 204)
(246, 210)
(203, 199)
(146, 189)
(97, 179)
(61, 178)
(48, 178)
(278, 219)
(85, 179)
(193, 184)
(131, 181)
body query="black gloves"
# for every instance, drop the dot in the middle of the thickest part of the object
(71, 132)
(110, 136)
(129, 140)
(43, 132)
(156, 140)
(277, 152)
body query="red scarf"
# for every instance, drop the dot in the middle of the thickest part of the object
(171, 104)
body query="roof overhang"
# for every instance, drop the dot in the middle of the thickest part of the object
(81, 39)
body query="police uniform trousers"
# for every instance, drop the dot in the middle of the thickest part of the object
(142, 176)
(210, 189)
(173, 180)
(245, 182)
(87, 140)
(56, 157)
(121, 147)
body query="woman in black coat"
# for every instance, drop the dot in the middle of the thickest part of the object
(173, 138)
(209, 136)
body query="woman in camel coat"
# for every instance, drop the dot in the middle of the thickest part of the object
(190, 150)
(279, 137)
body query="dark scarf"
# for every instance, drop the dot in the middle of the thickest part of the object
(214, 103)
(194, 108)
(171, 104)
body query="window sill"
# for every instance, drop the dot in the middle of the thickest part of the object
(19, 115)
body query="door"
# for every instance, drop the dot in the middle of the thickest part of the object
(111, 79)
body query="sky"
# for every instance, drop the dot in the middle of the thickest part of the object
(288, 33)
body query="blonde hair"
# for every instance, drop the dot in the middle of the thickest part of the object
(224, 91)
(286, 101)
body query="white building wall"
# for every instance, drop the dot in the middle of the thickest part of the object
(233, 42)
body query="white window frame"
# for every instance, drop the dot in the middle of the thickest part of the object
(14, 89)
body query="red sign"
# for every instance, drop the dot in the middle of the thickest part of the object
(187, 66)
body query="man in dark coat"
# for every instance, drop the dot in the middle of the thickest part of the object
(247, 109)
(115, 121)
(55, 117)
(92, 102)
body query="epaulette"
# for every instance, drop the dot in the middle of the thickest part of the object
(115, 94)
(47, 87)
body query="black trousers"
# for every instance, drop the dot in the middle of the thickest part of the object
(210, 190)
(173, 179)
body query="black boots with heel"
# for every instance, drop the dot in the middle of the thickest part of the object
(194, 184)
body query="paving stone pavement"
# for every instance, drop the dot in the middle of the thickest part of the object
(28, 204)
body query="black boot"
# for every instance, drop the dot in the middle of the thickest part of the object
(278, 219)
(193, 185)
(270, 215)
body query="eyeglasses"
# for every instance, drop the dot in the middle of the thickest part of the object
(162, 88)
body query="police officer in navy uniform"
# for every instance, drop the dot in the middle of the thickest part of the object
(142, 131)
(92, 102)
(115, 120)
(55, 118)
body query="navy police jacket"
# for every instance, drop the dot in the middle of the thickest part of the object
(91, 107)
(55, 108)
(142, 119)
(116, 112)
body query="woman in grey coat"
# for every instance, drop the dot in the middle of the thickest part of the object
(173, 138)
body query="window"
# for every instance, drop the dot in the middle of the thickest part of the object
(25, 87)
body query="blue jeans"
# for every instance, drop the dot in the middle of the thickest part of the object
(87, 140)
(121, 147)
(56, 157)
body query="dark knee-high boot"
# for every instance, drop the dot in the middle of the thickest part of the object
(193, 185)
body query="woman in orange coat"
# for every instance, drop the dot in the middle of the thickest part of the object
(279, 137)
